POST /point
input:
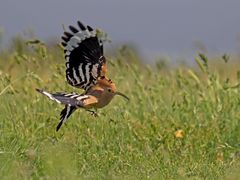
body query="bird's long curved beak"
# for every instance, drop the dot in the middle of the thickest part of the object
(123, 95)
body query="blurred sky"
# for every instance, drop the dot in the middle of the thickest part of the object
(156, 27)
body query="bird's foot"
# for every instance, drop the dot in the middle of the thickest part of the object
(93, 113)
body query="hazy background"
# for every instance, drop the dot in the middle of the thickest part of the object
(175, 28)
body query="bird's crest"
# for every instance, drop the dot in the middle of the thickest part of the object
(104, 81)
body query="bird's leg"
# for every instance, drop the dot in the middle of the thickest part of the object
(93, 113)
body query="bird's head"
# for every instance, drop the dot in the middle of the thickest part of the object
(110, 88)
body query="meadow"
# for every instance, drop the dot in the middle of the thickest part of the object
(182, 122)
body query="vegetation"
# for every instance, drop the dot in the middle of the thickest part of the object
(181, 122)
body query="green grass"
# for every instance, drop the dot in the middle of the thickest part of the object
(130, 140)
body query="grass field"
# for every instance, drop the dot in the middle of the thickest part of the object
(181, 122)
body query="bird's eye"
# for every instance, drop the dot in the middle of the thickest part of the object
(109, 90)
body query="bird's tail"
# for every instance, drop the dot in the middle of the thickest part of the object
(71, 99)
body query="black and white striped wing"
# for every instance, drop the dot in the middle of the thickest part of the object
(84, 56)
(65, 114)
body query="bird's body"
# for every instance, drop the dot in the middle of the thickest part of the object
(85, 69)
(100, 96)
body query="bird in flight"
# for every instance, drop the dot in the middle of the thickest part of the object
(85, 69)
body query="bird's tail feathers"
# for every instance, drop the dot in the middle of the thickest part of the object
(71, 99)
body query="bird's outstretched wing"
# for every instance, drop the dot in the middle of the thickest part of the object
(85, 62)
(72, 101)
(66, 112)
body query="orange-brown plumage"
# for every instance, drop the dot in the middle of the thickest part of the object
(103, 91)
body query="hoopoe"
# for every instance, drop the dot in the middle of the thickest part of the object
(85, 69)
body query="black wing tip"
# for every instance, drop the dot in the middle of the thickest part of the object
(90, 28)
(59, 126)
(73, 29)
(65, 38)
(68, 34)
(81, 25)
(61, 119)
